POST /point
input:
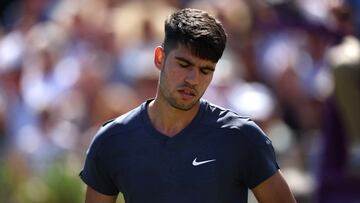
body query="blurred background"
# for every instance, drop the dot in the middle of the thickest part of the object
(67, 66)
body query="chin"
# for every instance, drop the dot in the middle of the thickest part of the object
(185, 106)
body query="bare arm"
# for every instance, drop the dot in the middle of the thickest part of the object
(274, 190)
(92, 196)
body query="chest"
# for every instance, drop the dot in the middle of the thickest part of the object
(200, 167)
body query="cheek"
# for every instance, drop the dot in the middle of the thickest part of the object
(202, 87)
(207, 81)
(169, 78)
(175, 75)
(171, 75)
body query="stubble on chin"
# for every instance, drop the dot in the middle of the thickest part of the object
(175, 103)
(183, 107)
(170, 97)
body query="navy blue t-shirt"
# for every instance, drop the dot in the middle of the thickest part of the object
(215, 159)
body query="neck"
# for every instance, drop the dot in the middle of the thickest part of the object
(169, 120)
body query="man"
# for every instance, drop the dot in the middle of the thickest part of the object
(179, 147)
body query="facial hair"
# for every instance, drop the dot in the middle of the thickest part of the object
(168, 96)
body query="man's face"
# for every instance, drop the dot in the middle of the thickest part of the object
(184, 78)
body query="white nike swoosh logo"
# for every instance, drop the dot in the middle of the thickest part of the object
(197, 163)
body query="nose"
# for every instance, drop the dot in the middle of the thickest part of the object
(192, 76)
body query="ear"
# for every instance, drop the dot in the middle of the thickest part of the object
(159, 57)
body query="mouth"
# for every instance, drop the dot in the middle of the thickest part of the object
(187, 93)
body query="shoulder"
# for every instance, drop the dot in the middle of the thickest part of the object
(125, 122)
(221, 117)
(230, 121)
(116, 127)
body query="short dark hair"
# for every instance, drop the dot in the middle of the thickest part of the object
(197, 30)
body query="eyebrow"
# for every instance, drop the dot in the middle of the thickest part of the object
(191, 63)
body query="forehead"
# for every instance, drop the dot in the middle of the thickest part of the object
(184, 52)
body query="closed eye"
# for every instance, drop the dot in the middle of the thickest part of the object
(206, 71)
(183, 64)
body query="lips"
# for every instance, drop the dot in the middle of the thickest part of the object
(187, 92)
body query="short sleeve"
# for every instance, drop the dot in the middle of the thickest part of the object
(96, 172)
(261, 160)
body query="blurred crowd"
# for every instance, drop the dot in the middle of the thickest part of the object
(67, 66)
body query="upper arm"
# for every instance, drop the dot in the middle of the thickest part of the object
(274, 190)
(92, 196)
(98, 172)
